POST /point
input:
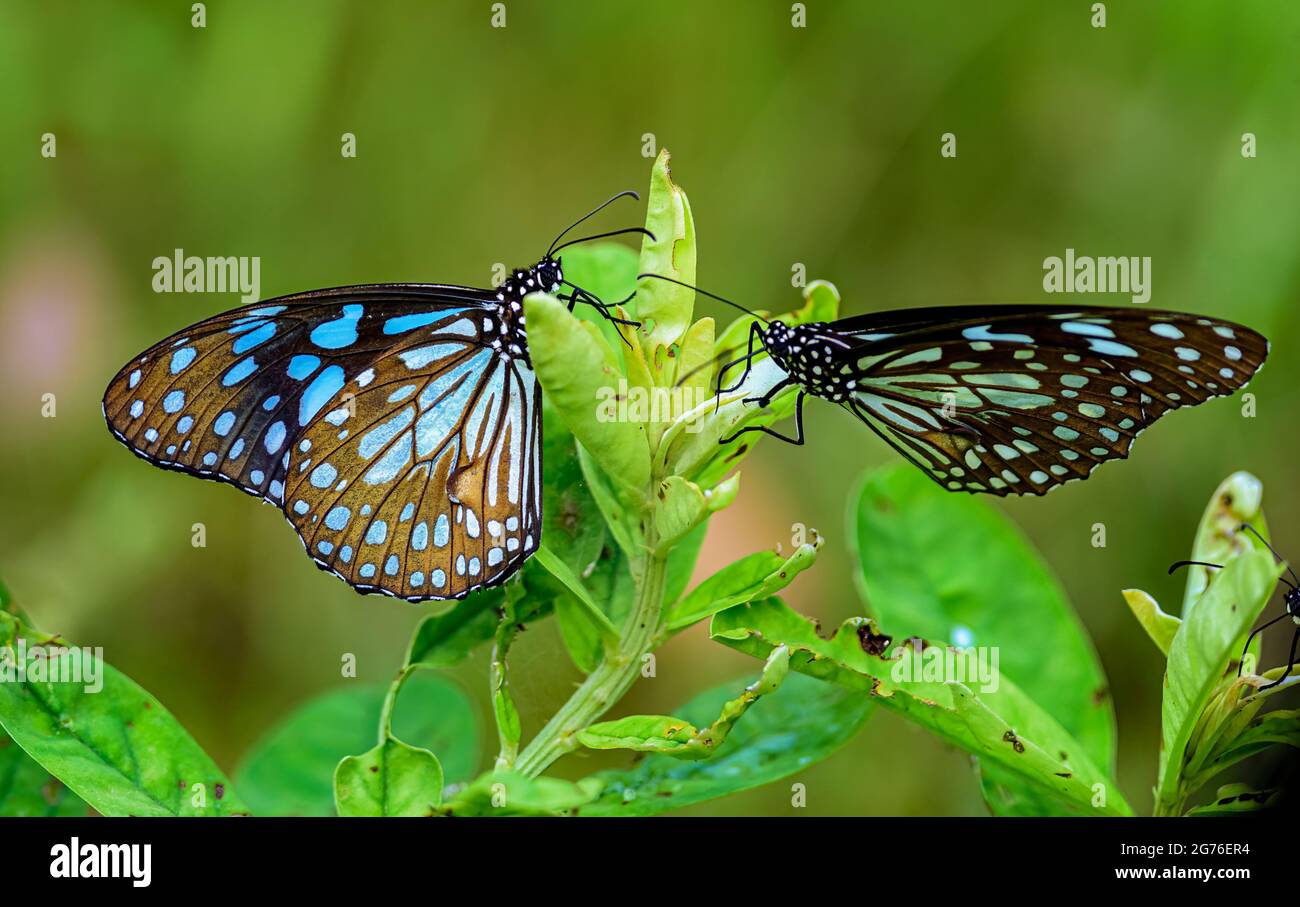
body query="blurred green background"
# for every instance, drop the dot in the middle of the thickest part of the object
(816, 145)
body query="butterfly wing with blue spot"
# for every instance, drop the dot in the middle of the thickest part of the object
(229, 398)
(425, 480)
(1020, 399)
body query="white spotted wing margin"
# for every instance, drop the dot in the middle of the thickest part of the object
(1021, 399)
(422, 480)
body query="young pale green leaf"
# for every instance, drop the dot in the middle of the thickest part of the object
(1238, 499)
(513, 794)
(1199, 655)
(640, 733)
(290, 771)
(444, 640)
(681, 507)
(608, 271)
(665, 308)
(1276, 728)
(754, 576)
(104, 736)
(393, 779)
(854, 657)
(801, 723)
(621, 521)
(695, 363)
(681, 562)
(585, 605)
(950, 567)
(720, 496)
(577, 370)
(26, 789)
(1161, 627)
(675, 737)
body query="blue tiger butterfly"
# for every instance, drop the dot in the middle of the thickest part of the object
(396, 425)
(1004, 399)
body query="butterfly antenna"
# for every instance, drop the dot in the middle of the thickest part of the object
(734, 305)
(573, 242)
(626, 193)
(1177, 564)
(1253, 531)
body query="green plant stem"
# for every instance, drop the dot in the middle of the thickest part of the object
(611, 678)
(390, 700)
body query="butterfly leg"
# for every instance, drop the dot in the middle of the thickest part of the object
(747, 359)
(798, 422)
(1251, 638)
(1290, 663)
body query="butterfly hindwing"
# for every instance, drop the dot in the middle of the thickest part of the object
(423, 479)
(1020, 399)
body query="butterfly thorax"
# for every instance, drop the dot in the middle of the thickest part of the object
(813, 357)
(512, 334)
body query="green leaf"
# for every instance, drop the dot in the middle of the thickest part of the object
(1161, 627)
(26, 789)
(621, 521)
(577, 370)
(393, 779)
(290, 771)
(444, 640)
(587, 632)
(662, 734)
(1208, 638)
(512, 794)
(951, 568)
(681, 562)
(853, 658)
(801, 723)
(607, 270)
(116, 747)
(757, 575)
(681, 507)
(1235, 799)
(1238, 499)
(665, 308)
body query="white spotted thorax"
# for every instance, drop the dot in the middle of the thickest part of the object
(511, 331)
(807, 353)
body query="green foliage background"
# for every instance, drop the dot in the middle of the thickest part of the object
(476, 145)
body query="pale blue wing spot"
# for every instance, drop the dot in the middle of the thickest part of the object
(301, 367)
(275, 436)
(420, 357)
(403, 323)
(185, 424)
(417, 579)
(257, 476)
(345, 554)
(337, 519)
(325, 547)
(323, 476)
(239, 372)
(407, 512)
(391, 565)
(181, 359)
(271, 402)
(225, 422)
(439, 578)
(378, 437)
(172, 403)
(441, 531)
(254, 338)
(236, 449)
(367, 570)
(377, 533)
(420, 536)
(319, 392)
(341, 332)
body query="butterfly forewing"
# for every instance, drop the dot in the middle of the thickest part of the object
(276, 396)
(1020, 399)
(423, 478)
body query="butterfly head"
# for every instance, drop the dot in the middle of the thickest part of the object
(809, 353)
